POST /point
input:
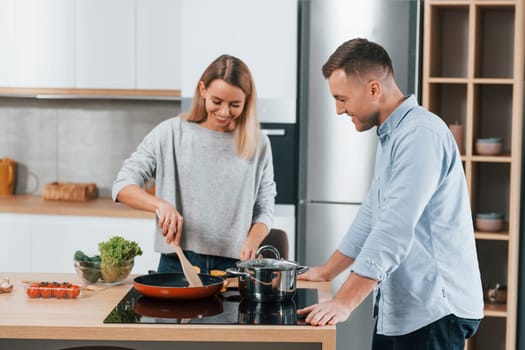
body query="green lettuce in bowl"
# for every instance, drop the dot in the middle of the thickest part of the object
(117, 258)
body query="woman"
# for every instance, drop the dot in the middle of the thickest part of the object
(213, 173)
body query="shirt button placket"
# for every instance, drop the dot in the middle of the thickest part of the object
(378, 192)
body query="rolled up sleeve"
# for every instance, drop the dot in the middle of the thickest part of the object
(137, 169)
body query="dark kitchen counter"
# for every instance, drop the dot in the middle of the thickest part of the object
(104, 206)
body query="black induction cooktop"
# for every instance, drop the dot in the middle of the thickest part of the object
(225, 308)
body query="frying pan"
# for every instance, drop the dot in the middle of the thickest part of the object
(175, 286)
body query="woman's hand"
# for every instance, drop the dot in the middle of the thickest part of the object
(256, 235)
(170, 222)
(249, 248)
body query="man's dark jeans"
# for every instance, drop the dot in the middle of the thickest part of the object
(447, 333)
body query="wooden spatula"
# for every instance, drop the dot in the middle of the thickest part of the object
(191, 275)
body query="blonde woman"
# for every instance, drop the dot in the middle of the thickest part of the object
(213, 173)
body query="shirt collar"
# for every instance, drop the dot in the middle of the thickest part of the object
(396, 117)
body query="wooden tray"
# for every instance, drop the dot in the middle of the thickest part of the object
(70, 191)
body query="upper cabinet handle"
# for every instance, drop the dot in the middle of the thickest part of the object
(274, 132)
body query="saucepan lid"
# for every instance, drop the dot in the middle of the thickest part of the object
(268, 263)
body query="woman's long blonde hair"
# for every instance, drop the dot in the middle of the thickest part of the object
(234, 72)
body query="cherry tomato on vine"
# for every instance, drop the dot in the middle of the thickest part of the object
(33, 291)
(72, 291)
(59, 291)
(46, 290)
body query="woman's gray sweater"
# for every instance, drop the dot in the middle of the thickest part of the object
(219, 194)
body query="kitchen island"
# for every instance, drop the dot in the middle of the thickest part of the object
(82, 319)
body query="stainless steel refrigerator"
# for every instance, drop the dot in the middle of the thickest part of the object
(335, 161)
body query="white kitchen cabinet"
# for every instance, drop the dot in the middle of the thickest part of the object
(158, 39)
(44, 37)
(261, 33)
(105, 44)
(90, 44)
(7, 42)
(147, 44)
(15, 243)
(47, 243)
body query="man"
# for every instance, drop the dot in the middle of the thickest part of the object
(412, 242)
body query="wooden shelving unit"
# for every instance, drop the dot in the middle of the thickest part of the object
(473, 74)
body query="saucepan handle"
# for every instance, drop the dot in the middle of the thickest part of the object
(301, 269)
(269, 248)
(236, 272)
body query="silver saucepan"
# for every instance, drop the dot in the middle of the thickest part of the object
(267, 280)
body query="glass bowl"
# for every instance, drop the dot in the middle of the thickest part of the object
(91, 272)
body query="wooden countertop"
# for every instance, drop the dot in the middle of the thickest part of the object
(29, 204)
(82, 318)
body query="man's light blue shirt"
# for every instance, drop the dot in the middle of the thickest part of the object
(414, 231)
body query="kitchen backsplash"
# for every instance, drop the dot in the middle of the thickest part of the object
(74, 140)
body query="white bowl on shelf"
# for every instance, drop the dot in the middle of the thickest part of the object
(489, 222)
(489, 146)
